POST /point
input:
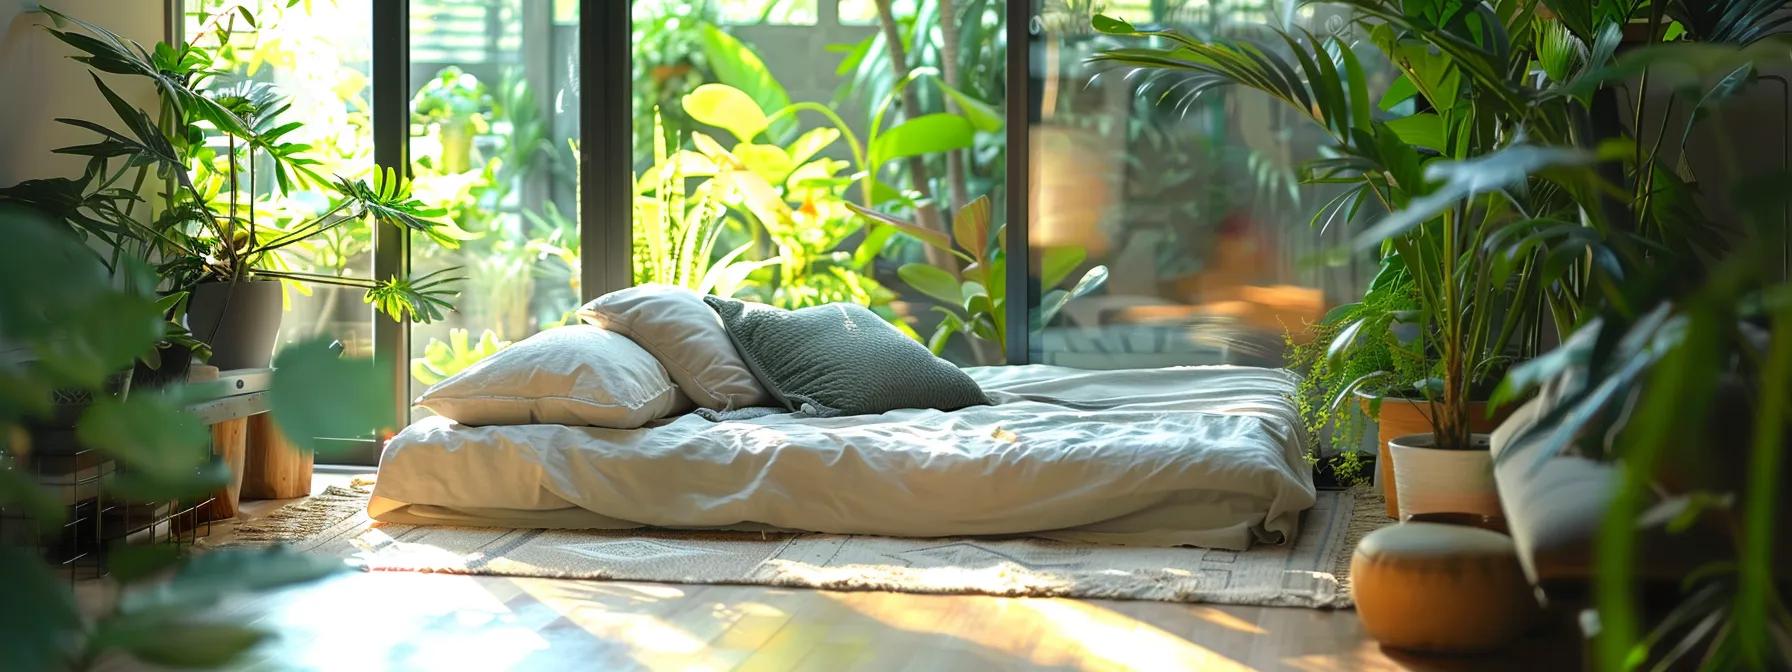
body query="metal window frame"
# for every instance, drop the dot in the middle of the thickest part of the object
(606, 147)
(391, 246)
(1022, 113)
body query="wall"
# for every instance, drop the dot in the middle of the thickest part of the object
(41, 83)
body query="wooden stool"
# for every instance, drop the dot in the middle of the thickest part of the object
(1441, 588)
(273, 468)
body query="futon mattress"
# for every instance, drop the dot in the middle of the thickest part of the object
(1202, 456)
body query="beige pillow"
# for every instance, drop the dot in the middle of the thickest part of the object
(686, 335)
(577, 375)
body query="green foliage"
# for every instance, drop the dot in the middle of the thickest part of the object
(676, 232)
(359, 402)
(669, 61)
(1504, 219)
(1452, 190)
(789, 198)
(1330, 393)
(442, 359)
(213, 226)
(975, 296)
(162, 455)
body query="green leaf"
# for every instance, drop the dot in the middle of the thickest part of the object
(727, 108)
(1400, 91)
(80, 328)
(423, 299)
(1055, 300)
(21, 492)
(811, 143)
(176, 644)
(317, 394)
(767, 161)
(39, 626)
(928, 236)
(970, 290)
(736, 64)
(138, 486)
(926, 134)
(1345, 339)
(932, 281)
(1506, 168)
(129, 564)
(208, 577)
(1112, 26)
(982, 116)
(1056, 263)
(149, 434)
(1092, 280)
(1423, 130)
(949, 324)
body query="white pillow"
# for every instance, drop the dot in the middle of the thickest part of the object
(687, 336)
(577, 375)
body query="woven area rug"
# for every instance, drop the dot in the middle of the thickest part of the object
(1312, 572)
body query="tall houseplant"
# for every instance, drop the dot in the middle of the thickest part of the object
(210, 145)
(1597, 226)
(1493, 257)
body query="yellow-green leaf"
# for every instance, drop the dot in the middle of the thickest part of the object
(727, 108)
(926, 134)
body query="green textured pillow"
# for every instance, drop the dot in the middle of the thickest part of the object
(841, 359)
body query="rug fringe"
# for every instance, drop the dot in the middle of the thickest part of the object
(1368, 514)
(302, 520)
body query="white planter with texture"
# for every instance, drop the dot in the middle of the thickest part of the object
(1433, 480)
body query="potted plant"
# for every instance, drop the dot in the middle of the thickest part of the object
(455, 104)
(1466, 288)
(100, 216)
(212, 144)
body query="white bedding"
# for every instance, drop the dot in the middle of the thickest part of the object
(1202, 456)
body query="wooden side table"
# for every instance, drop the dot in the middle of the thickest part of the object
(263, 464)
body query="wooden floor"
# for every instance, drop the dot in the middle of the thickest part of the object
(444, 622)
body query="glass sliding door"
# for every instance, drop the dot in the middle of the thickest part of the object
(765, 130)
(1189, 205)
(494, 137)
(317, 57)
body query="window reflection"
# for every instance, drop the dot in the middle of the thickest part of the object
(1193, 203)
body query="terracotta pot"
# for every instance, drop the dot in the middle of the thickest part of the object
(1401, 417)
(1434, 480)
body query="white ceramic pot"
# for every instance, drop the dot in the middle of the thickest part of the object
(1432, 480)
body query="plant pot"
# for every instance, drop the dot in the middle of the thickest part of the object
(1434, 480)
(241, 321)
(457, 145)
(176, 362)
(1400, 417)
(68, 404)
